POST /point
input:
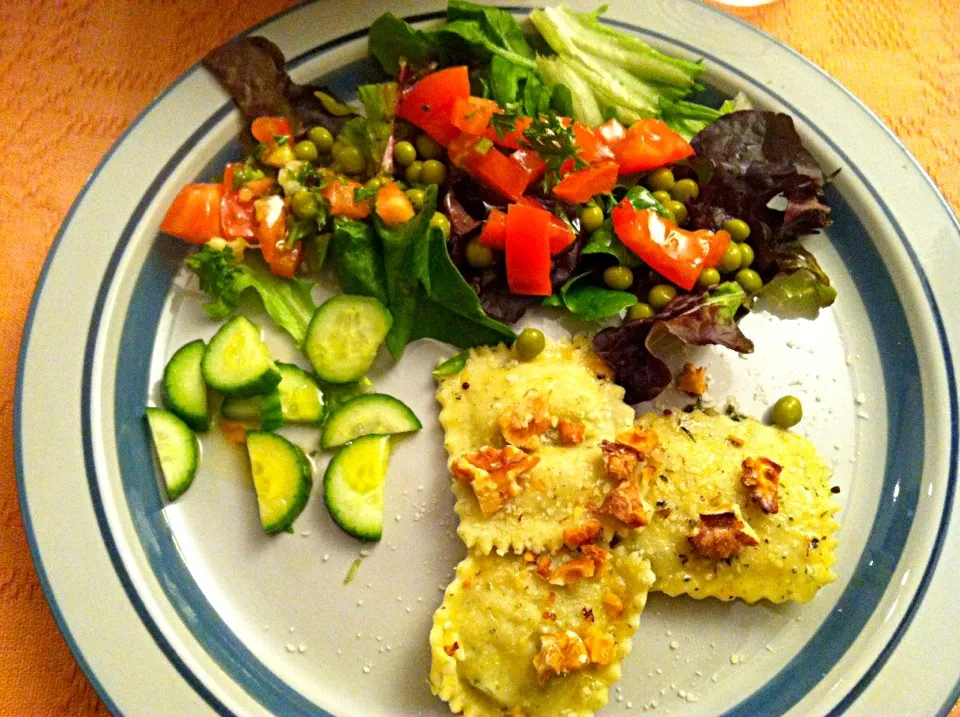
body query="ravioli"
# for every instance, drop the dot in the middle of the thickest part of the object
(568, 480)
(703, 466)
(577, 384)
(497, 616)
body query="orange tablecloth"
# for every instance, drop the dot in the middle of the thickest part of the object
(73, 75)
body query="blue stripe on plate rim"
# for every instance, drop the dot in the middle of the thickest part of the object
(953, 400)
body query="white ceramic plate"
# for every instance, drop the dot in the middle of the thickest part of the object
(190, 609)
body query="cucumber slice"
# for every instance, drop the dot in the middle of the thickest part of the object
(300, 396)
(353, 486)
(296, 399)
(237, 361)
(365, 415)
(282, 476)
(271, 411)
(344, 335)
(177, 448)
(184, 391)
(241, 409)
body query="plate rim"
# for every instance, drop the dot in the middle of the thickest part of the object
(37, 295)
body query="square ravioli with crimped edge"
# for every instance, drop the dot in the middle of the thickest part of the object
(704, 466)
(568, 480)
(506, 641)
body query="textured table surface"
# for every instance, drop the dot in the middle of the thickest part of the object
(74, 74)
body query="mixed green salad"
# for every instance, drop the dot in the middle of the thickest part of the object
(497, 167)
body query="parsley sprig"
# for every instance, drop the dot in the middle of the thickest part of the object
(546, 135)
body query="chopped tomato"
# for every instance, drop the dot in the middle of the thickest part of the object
(392, 205)
(339, 192)
(267, 129)
(494, 232)
(528, 251)
(237, 217)
(583, 185)
(473, 114)
(194, 215)
(255, 188)
(478, 157)
(679, 255)
(592, 148)
(649, 144)
(272, 235)
(611, 132)
(429, 104)
(510, 139)
(530, 161)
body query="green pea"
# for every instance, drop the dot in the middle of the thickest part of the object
(428, 148)
(708, 278)
(591, 218)
(416, 197)
(351, 159)
(738, 229)
(440, 220)
(529, 344)
(404, 154)
(730, 261)
(669, 215)
(749, 280)
(306, 150)
(663, 197)
(660, 295)
(321, 138)
(413, 172)
(304, 204)
(641, 310)
(661, 180)
(685, 189)
(679, 210)
(746, 255)
(618, 277)
(373, 185)
(479, 255)
(433, 172)
(827, 295)
(787, 411)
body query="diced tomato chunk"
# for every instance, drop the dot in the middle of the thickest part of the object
(194, 215)
(528, 251)
(494, 232)
(473, 114)
(611, 132)
(649, 144)
(583, 185)
(271, 215)
(339, 192)
(679, 255)
(429, 104)
(267, 129)
(478, 157)
(592, 148)
(531, 162)
(393, 206)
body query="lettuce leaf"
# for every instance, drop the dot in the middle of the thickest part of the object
(288, 301)
(695, 319)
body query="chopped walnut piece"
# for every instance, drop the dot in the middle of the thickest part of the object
(571, 432)
(613, 604)
(560, 653)
(573, 571)
(624, 504)
(644, 440)
(523, 423)
(721, 535)
(599, 556)
(452, 649)
(693, 379)
(582, 534)
(601, 647)
(761, 476)
(493, 474)
(620, 461)
(544, 567)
